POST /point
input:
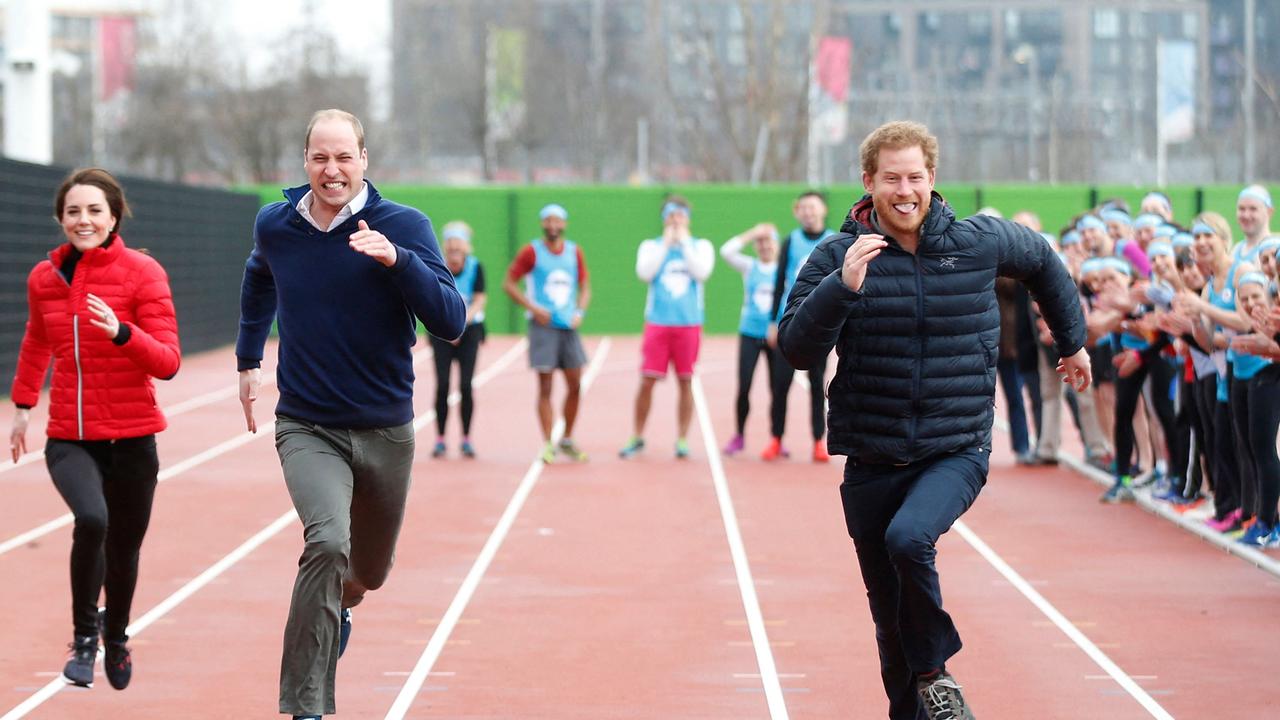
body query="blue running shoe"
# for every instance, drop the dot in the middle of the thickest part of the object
(1119, 492)
(633, 446)
(1257, 535)
(1273, 540)
(344, 630)
(468, 450)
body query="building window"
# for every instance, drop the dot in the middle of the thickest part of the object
(1106, 24)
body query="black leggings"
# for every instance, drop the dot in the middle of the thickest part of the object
(464, 353)
(109, 486)
(1226, 478)
(1182, 469)
(1246, 460)
(783, 374)
(1128, 392)
(1262, 419)
(1198, 402)
(749, 351)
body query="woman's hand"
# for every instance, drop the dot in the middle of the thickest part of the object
(18, 435)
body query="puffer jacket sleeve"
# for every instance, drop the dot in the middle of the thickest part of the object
(1025, 256)
(34, 354)
(153, 336)
(818, 305)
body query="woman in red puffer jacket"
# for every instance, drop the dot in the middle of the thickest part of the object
(104, 313)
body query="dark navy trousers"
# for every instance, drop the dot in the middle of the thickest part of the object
(895, 515)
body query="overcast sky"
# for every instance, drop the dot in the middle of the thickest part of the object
(363, 32)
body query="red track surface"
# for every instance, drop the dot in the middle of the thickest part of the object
(614, 593)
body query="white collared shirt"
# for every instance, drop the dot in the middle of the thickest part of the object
(356, 205)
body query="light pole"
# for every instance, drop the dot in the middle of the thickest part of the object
(1025, 54)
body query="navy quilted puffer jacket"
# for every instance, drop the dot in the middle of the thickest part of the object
(917, 345)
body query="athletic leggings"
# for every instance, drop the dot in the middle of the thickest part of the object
(1226, 473)
(749, 351)
(783, 374)
(464, 353)
(109, 486)
(1128, 392)
(1204, 396)
(1256, 414)
(1246, 460)
(1181, 467)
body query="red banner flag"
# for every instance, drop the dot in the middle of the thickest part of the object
(117, 48)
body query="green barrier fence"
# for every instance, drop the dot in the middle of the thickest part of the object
(610, 221)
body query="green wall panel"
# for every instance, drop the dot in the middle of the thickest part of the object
(1055, 204)
(609, 222)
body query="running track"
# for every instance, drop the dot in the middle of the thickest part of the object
(643, 589)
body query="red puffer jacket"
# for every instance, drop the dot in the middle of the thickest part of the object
(101, 391)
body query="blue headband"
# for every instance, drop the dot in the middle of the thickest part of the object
(1253, 277)
(1165, 231)
(1114, 263)
(1091, 265)
(553, 210)
(1091, 221)
(1148, 220)
(1070, 237)
(1158, 197)
(1271, 243)
(672, 207)
(1113, 215)
(1159, 248)
(1181, 240)
(1257, 192)
(1202, 229)
(455, 230)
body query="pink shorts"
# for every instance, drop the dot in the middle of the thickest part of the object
(666, 345)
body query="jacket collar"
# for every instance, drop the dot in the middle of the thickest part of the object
(100, 255)
(861, 218)
(295, 194)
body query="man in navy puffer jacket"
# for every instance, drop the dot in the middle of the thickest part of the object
(906, 295)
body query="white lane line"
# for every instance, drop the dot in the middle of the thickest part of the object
(48, 691)
(226, 446)
(440, 637)
(198, 459)
(750, 602)
(1071, 631)
(485, 376)
(186, 591)
(190, 404)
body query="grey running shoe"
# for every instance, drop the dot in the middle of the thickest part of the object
(79, 667)
(570, 449)
(941, 698)
(1118, 493)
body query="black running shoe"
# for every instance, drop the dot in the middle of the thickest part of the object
(941, 698)
(118, 664)
(79, 667)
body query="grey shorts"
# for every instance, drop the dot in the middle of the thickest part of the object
(553, 348)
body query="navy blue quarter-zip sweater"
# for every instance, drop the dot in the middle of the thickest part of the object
(346, 322)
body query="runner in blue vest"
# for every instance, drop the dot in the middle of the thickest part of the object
(468, 275)
(810, 211)
(758, 276)
(676, 266)
(555, 297)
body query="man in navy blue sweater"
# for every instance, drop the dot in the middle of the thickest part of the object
(344, 273)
